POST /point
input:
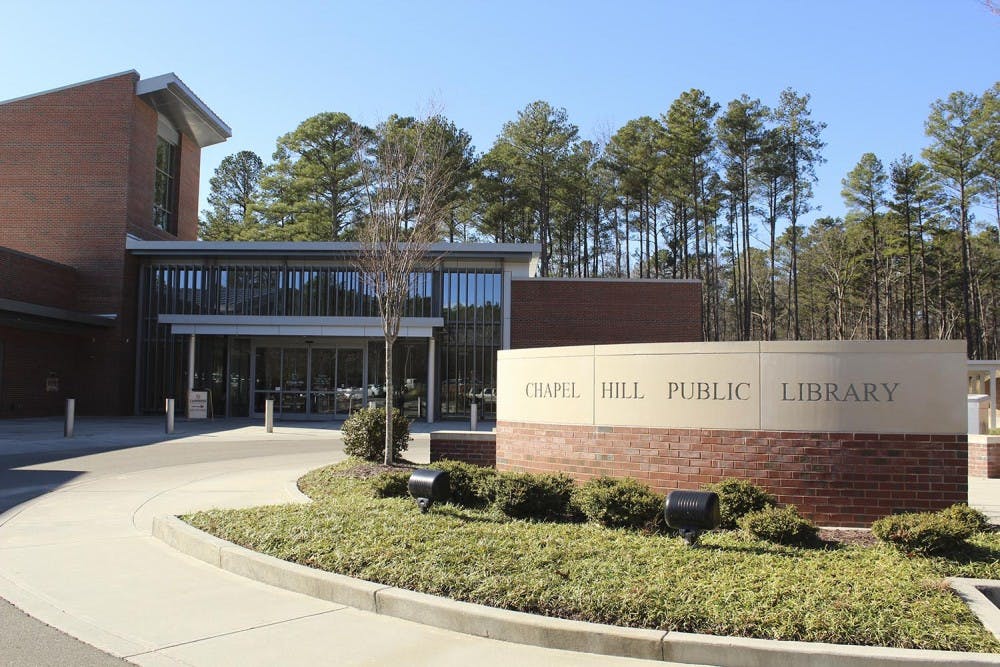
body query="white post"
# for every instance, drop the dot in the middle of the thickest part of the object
(170, 415)
(431, 380)
(70, 417)
(994, 376)
(475, 416)
(269, 415)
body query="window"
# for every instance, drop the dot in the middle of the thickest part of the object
(165, 185)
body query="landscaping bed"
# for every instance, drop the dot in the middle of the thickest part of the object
(846, 593)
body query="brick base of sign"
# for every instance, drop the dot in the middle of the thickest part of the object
(835, 479)
(468, 446)
(984, 456)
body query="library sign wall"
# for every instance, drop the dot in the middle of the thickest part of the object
(847, 431)
(853, 386)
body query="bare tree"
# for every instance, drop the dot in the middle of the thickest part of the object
(405, 182)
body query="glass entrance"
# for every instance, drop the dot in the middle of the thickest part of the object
(309, 383)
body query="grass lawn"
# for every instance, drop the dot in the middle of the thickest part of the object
(728, 585)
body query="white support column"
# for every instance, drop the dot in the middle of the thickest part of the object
(191, 363)
(505, 334)
(431, 380)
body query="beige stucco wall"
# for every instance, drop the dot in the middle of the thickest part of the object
(852, 386)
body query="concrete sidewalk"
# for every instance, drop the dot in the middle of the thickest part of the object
(82, 559)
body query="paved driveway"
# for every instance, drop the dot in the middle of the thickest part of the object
(77, 554)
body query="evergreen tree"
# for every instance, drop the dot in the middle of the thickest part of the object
(801, 146)
(235, 198)
(539, 142)
(313, 185)
(864, 192)
(954, 155)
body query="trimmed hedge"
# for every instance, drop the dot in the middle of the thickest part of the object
(737, 498)
(470, 484)
(781, 525)
(364, 434)
(973, 518)
(393, 484)
(526, 496)
(619, 503)
(923, 533)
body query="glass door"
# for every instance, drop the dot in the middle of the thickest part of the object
(321, 394)
(309, 382)
(350, 381)
(293, 381)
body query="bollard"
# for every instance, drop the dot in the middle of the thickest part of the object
(170, 415)
(269, 415)
(418, 407)
(475, 416)
(70, 417)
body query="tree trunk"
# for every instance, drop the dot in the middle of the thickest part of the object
(390, 400)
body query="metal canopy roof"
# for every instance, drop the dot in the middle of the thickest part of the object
(174, 100)
(315, 249)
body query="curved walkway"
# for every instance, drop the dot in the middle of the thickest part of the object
(82, 559)
(80, 556)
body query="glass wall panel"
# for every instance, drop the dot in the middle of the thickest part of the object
(239, 377)
(471, 308)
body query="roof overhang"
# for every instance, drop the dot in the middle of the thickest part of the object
(320, 250)
(14, 311)
(237, 325)
(175, 101)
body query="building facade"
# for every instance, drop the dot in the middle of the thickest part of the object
(106, 295)
(82, 169)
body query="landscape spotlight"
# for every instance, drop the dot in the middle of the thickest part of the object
(692, 512)
(428, 486)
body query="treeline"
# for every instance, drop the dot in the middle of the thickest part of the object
(699, 192)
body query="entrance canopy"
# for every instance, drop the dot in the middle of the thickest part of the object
(243, 325)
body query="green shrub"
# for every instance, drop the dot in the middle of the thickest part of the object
(470, 484)
(781, 525)
(737, 498)
(619, 503)
(529, 496)
(391, 484)
(973, 518)
(923, 533)
(364, 434)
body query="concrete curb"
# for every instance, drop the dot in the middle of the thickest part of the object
(543, 631)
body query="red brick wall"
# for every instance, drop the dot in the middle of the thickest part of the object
(552, 312)
(34, 280)
(76, 175)
(187, 203)
(836, 479)
(26, 359)
(479, 449)
(984, 457)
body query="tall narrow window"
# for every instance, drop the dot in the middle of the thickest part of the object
(165, 186)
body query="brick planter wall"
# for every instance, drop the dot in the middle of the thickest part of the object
(836, 479)
(984, 456)
(468, 446)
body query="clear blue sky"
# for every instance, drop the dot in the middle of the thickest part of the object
(871, 66)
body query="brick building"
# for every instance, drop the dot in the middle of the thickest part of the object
(106, 295)
(82, 169)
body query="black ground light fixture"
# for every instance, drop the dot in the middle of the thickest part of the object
(691, 513)
(428, 486)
